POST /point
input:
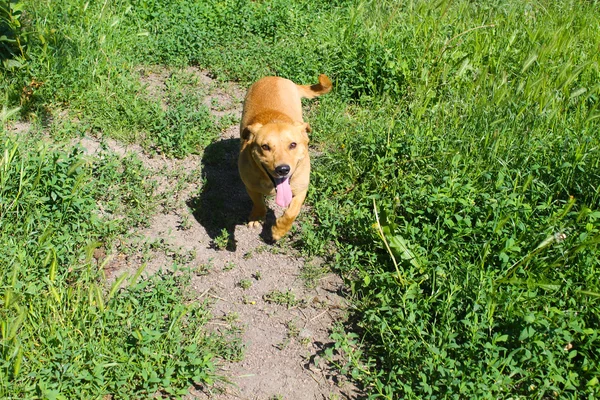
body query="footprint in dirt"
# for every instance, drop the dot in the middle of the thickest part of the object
(223, 202)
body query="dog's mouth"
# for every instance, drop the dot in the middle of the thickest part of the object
(284, 196)
(283, 189)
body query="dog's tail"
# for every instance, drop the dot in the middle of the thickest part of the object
(309, 91)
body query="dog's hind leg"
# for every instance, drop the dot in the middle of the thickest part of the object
(284, 223)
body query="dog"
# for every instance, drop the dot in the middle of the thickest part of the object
(274, 155)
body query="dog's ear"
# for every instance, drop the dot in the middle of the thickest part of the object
(304, 128)
(249, 131)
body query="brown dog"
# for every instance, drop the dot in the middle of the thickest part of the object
(274, 155)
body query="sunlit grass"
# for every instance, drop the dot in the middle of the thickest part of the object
(472, 128)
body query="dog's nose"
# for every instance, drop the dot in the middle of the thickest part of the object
(282, 170)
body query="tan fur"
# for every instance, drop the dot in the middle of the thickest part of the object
(272, 116)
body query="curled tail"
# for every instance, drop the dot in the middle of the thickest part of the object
(309, 91)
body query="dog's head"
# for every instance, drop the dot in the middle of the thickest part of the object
(278, 147)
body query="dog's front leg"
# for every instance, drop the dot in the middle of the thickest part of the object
(284, 223)
(259, 209)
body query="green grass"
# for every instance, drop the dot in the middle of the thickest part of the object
(485, 177)
(63, 331)
(13, 44)
(458, 189)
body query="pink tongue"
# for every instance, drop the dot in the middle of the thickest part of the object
(284, 193)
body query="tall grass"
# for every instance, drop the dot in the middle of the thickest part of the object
(483, 164)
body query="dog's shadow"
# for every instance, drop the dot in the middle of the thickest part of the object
(223, 202)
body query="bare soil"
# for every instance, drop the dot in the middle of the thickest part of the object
(254, 286)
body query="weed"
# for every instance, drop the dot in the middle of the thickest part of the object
(231, 348)
(247, 255)
(187, 127)
(292, 329)
(229, 265)
(231, 317)
(283, 344)
(203, 269)
(168, 201)
(183, 256)
(228, 120)
(245, 284)
(281, 247)
(124, 188)
(261, 249)
(222, 241)
(286, 298)
(292, 333)
(186, 222)
(311, 274)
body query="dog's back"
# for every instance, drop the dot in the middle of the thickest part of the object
(275, 99)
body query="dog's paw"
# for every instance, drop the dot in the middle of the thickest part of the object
(254, 224)
(275, 237)
(277, 234)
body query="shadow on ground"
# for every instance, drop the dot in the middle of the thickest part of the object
(223, 202)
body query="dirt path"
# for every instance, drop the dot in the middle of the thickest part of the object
(284, 305)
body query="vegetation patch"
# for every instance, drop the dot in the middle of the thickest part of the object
(63, 331)
(278, 297)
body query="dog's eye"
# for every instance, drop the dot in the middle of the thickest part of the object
(292, 145)
(265, 147)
